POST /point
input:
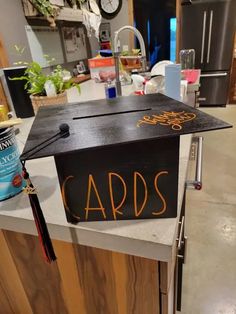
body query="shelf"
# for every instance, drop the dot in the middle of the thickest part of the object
(81, 78)
(65, 14)
(68, 14)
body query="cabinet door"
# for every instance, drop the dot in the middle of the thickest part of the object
(194, 25)
(179, 273)
(220, 30)
(214, 88)
(180, 258)
(83, 280)
(168, 300)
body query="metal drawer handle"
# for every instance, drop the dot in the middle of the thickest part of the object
(209, 37)
(203, 35)
(197, 183)
(214, 74)
(184, 256)
(179, 239)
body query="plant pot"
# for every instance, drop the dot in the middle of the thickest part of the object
(38, 101)
(19, 96)
(123, 60)
(131, 62)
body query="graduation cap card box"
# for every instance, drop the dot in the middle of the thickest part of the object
(120, 159)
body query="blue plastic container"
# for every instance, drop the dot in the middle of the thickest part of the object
(110, 90)
(173, 81)
(11, 180)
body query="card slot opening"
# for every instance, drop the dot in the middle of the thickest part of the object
(112, 114)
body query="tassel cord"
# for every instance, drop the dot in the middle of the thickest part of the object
(43, 227)
(45, 254)
(44, 237)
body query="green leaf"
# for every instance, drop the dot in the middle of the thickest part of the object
(20, 78)
(22, 50)
(35, 78)
(78, 88)
(17, 48)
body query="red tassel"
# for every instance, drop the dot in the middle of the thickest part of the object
(44, 237)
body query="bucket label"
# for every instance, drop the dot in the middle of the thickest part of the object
(9, 154)
(11, 181)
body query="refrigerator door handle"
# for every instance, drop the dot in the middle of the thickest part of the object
(203, 36)
(209, 38)
(214, 74)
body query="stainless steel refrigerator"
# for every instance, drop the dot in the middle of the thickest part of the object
(208, 26)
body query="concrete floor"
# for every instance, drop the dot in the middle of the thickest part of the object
(209, 282)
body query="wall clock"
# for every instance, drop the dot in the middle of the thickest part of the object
(109, 8)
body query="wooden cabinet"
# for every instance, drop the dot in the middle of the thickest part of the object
(171, 273)
(83, 280)
(167, 285)
(232, 88)
(3, 98)
(87, 280)
(232, 93)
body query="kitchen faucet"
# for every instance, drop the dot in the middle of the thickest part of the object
(117, 53)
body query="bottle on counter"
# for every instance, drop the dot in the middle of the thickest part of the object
(110, 89)
(187, 58)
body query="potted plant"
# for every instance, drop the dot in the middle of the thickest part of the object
(51, 10)
(45, 8)
(45, 89)
(131, 59)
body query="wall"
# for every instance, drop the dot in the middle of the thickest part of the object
(12, 28)
(94, 45)
(120, 20)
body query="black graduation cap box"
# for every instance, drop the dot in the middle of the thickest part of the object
(121, 158)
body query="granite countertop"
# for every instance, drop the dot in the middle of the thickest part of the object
(150, 238)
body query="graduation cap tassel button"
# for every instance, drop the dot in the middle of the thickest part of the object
(63, 132)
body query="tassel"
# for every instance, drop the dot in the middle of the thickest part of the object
(44, 237)
(40, 223)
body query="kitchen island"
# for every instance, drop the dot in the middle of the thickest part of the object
(106, 267)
